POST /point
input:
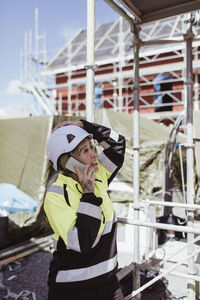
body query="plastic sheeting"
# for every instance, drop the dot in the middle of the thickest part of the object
(22, 150)
(13, 200)
(153, 139)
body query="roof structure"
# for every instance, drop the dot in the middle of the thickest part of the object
(148, 11)
(113, 40)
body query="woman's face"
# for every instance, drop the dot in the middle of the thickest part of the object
(86, 154)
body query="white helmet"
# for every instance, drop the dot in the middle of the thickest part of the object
(64, 140)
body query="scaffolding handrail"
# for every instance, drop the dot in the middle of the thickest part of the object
(171, 204)
(187, 229)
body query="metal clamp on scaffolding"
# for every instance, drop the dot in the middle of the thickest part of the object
(136, 148)
(188, 82)
(93, 67)
(187, 146)
(135, 42)
(188, 35)
(136, 88)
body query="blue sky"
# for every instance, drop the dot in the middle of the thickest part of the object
(60, 19)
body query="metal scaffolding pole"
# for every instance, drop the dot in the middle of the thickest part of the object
(90, 61)
(189, 151)
(196, 84)
(36, 34)
(136, 162)
(121, 55)
(69, 82)
(26, 57)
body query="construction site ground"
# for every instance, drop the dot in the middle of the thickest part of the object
(26, 278)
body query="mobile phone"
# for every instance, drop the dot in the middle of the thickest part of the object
(71, 162)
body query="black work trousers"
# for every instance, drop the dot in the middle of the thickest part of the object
(110, 291)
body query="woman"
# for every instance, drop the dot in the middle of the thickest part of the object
(81, 214)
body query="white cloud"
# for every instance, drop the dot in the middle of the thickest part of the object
(10, 105)
(10, 98)
(3, 112)
(13, 87)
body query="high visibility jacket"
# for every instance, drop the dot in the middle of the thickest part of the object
(84, 224)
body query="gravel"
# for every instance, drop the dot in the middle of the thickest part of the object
(26, 279)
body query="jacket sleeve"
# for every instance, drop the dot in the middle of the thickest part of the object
(114, 144)
(77, 228)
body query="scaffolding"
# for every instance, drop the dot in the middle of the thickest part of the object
(32, 62)
(140, 17)
(114, 67)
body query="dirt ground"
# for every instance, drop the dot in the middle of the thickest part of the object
(26, 279)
